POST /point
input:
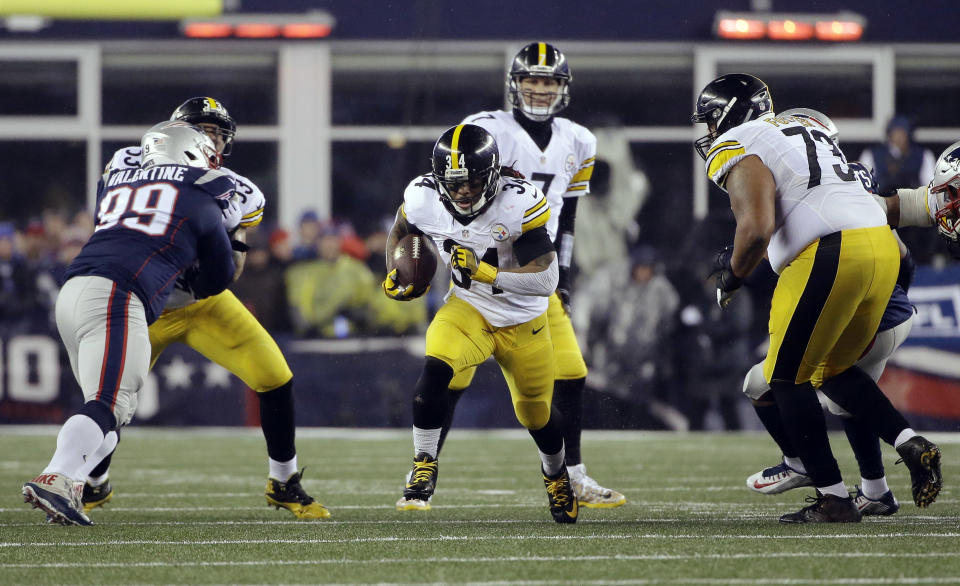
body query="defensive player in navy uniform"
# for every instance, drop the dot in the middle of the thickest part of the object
(154, 223)
(491, 231)
(223, 329)
(796, 201)
(557, 155)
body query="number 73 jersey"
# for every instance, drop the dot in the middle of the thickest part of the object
(816, 192)
(518, 208)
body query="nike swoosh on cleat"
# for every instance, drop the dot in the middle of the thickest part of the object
(758, 484)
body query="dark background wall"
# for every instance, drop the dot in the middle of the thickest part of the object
(608, 20)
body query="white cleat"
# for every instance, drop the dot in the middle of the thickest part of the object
(777, 479)
(590, 493)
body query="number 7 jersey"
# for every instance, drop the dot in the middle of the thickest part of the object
(817, 194)
(518, 208)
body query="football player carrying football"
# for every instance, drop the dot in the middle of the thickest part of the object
(222, 329)
(557, 155)
(154, 223)
(796, 201)
(491, 230)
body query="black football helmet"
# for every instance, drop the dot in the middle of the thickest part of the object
(727, 102)
(209, 111)
(466, 154)
(539, 60)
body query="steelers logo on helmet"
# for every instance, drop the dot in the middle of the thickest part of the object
(539, 60)
(466, 165)
(727, 102)
(206, 110)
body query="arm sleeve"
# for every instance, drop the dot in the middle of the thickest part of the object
(541, 284)
(914, 207)
(564, 242)
(215, 260)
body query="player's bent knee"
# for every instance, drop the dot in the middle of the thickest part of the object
(532, 414)
(831, 406)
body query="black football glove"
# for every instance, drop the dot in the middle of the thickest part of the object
(563, 289)
(727, 282)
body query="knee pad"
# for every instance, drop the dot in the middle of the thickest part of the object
(532, 414)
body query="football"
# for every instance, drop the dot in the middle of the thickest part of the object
(415, 259)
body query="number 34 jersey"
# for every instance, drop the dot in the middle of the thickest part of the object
(518, 208)
(817, 193)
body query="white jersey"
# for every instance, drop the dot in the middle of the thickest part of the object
(252, 203)
(562, 170)
(252, 200)
(519, 207)
(817, 194)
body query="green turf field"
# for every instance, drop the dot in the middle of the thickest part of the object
(189, 508)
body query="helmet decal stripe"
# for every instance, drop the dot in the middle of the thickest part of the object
(212, 103)
(541, 53)
(455, 147)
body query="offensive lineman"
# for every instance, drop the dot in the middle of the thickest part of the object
(557, 155)
(873, 495)
(491, 231)
(222, 329)
(153, 223)
(796, 200)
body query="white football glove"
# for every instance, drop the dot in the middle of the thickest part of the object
(232, 214)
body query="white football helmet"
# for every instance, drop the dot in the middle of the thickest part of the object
(178, 143)
(946, 185)
(818, 119)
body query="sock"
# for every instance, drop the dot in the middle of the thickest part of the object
(549, 438)
(282, 470)
(769, 415)
(795, 463)
(568, 398)
(431, 395)
(839, 489)
(426, 441)
(96, 481)
(866, 447)
(806, 428)
(859, 395)
(904, 436)
(78, 439)
(453, 397)
(874, 488)
(277, 422)
(552, 463)
(103, 452)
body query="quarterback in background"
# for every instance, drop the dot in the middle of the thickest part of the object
(491, 231)
(223, 330)
(556, 155)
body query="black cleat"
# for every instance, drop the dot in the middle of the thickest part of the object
(420, 485)
(922, 458)
(826, 508)
(290, 495)
(564, 505)
(96, 496)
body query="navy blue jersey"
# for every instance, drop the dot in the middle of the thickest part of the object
(899, 310)
(152, 224)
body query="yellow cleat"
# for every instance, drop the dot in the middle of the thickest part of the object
(291, 496)
(96, 496)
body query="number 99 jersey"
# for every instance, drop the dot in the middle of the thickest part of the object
(518, 208)
(817, 193)
(252, 200)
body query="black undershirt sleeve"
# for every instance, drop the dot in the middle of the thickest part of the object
(532, 244)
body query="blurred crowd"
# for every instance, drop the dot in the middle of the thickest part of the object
(657, 345)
